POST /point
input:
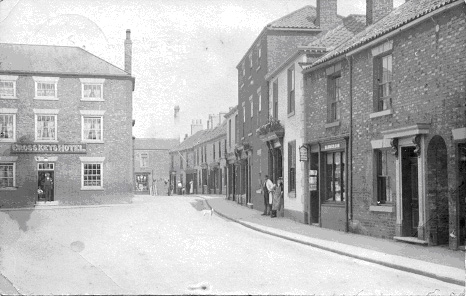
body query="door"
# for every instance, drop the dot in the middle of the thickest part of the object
(409, 191)
(462, 192)
(314, 187)
(45, 185)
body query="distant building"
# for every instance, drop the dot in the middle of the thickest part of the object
(152, 165)
(66, 113)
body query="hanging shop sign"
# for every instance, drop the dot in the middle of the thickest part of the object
(49, 148)
(303, 153)
(312, 180)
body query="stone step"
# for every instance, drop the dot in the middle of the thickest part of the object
(409, 239)
(46, 203)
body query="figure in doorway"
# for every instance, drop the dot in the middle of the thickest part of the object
(180, 187)
(47, 185)
(191, 187)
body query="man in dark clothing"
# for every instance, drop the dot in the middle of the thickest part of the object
(265, 192)
(47, 184)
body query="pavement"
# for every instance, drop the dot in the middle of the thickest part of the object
(436, 262)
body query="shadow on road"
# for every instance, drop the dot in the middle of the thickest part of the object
(199, 205)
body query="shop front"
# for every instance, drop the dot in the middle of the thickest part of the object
(328, 176)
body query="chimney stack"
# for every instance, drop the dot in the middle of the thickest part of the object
(377, 9)
(196, 126)
(128, 51)
(326, 14)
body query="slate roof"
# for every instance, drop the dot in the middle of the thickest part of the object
(302, 18)
(190, 142)
(154, 143)
(400, 16)
(54, 59)
(219, 131)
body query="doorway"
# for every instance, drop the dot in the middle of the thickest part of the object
(45, 181)
(409, 191)
(314, 188)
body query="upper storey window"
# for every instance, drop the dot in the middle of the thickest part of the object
(92, 89)
(46, 88)
(8, 86)
(383, 76)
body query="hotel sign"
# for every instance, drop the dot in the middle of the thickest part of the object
(49, 148)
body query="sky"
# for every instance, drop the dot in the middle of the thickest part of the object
(185, 52)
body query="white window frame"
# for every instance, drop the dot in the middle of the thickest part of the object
(259, 94)
(251, 103)
(47, 80)
(92, 114)
(8, 160)
(92, 160)
(244, 112)
(9, 78)
(12, 112)
(92, 81)
(46, 112)
(250, 63)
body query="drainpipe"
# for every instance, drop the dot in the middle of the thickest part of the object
(349, 200)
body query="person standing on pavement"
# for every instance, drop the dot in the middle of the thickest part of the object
(265, 192)
(191, 185)
(277, 195)
(270, 188)
(180, 187)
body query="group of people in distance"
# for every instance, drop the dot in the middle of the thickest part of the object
(272, 196)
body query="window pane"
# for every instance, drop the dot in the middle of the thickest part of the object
(6, 126)
(6, 175)
(46, 89)
(7, 89)
(92, 175)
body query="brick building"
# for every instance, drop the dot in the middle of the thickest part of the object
(387, 135)
(273, 45)
(231, 136)
(152, 165)
(67, 114)
(286, 86)
(201, 158)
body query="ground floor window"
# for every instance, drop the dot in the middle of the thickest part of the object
(7, 175)
(335, 176)
(385, 168)
(92, 176)
(142, 182)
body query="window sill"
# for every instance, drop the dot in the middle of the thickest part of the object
(332, 124)
(92, 100)
(12, 140)
(9, 98)
(338, 204)
(46, 98)
(93, 142)
(291, 114)
(382, 208)
(8, 188)
(46, 141)
(92, 189)
(381, 113)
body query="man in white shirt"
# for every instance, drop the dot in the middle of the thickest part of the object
(270, 188)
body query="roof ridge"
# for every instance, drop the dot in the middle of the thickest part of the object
(289, 14)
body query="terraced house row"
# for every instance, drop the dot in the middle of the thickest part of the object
(363, 116)
(199, 162)
(65, 124)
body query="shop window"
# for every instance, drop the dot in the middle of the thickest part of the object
(7, 127)
(291, 90)
(7, 174)
(333, 98)
(92, 129)
(8, 86)
(92, 177)
(335, 176)
(384, 82)
(46, 127)
(291, 166)
(385, 168)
